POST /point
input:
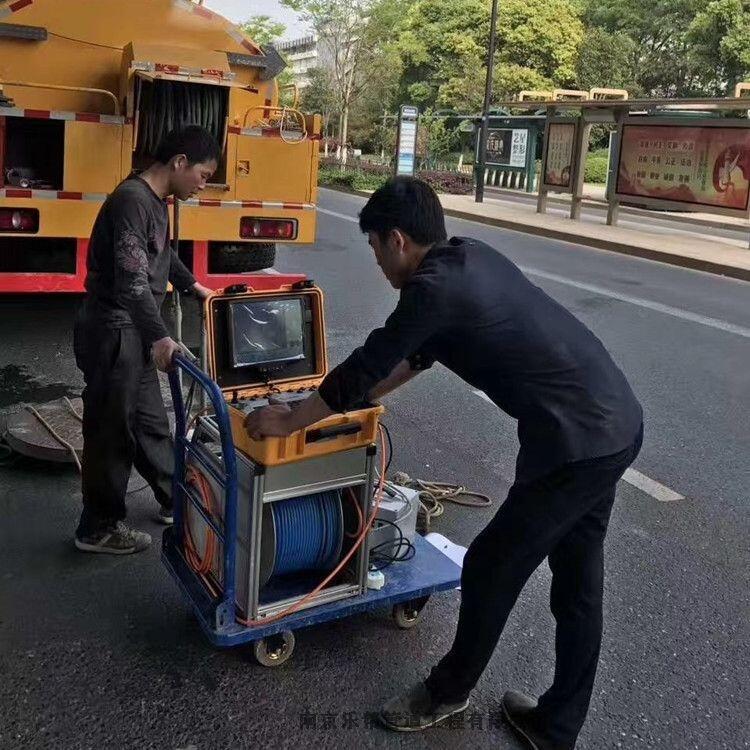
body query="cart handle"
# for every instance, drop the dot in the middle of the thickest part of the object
(225, 610)
(326, 433)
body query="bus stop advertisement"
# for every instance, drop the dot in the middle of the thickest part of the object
(512, 147)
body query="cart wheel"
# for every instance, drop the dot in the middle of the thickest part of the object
(407, 614)
(274, 650)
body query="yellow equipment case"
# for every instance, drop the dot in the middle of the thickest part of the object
(272, 345)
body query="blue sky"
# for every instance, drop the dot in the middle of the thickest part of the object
(241, 10)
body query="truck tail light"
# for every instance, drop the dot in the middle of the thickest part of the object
(252, 228)
(19, 220)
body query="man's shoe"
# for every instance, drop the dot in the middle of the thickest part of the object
(417, 710)
(165, 515)
(519, 712)
(117, 539)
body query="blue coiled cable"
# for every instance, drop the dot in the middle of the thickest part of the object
(309, 532)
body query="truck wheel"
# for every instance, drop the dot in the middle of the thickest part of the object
(244, 258)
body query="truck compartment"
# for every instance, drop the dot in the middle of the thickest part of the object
(264, 156)
(33, 153)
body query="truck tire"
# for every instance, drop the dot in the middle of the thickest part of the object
(244, 258)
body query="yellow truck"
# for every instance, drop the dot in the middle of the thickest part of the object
(88, 88)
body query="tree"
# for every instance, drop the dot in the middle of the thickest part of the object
(540, 37)
(606, 61)
(354, 34)
(263, 29)
(444, 48)
(318, 97)
(720, 40)
(436, 141)
(441, 44)
(661, 63)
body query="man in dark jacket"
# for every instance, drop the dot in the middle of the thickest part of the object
(120, 339)
(467, 306)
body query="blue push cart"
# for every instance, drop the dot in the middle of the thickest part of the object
(408, 584)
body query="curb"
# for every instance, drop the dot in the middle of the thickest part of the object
(350, 191)
(595, 204)
(616, 246)
(695, 264)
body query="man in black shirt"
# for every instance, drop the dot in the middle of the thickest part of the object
(120, 340)
(465, 305)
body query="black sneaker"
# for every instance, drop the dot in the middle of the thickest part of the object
(118, 539)
(519, 712)
(417, 710)
(165, 515)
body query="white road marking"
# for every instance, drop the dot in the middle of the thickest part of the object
(640, 481)
(675, 312)
(651, 487)
(337, 215)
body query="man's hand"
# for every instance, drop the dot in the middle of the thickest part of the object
(270, 421)
(279, 420)
(163, 351)
(201, 291)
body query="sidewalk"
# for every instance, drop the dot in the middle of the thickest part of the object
(594, 197)
(724, 256)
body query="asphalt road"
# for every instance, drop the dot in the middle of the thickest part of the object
(102, 653)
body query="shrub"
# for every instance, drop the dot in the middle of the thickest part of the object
(596, 169)
(364, 181)
(371, 176)
(455, 183)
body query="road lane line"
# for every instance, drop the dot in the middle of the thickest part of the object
(337, 215)
(640, 481)
(651, 487)
(675, 312)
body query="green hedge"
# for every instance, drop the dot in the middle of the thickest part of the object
(596, 169)
(350, 179)
(442, 182)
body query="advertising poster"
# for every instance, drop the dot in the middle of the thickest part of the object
(506, 147)
(701, 166)
(558, 164)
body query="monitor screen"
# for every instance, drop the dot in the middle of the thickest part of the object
(263, 332)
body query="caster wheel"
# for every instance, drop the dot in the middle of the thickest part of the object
(407, 614)
(274, 650)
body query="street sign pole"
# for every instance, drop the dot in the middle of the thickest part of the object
(479, 197)
(406, 147)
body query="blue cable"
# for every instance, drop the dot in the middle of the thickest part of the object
(309, 532)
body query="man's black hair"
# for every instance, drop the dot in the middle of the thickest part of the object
(408, 204)
(194, 141)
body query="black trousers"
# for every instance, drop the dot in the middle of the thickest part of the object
(563, 517)
(124, 422)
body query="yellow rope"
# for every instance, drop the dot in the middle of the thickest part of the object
(54, 434)
(434, 495)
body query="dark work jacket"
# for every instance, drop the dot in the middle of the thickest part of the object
(130, 261)
(470, 308)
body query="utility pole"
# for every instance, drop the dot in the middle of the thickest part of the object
(382, 144)
(482, 146)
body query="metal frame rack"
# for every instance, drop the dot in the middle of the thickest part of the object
(246, 488)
